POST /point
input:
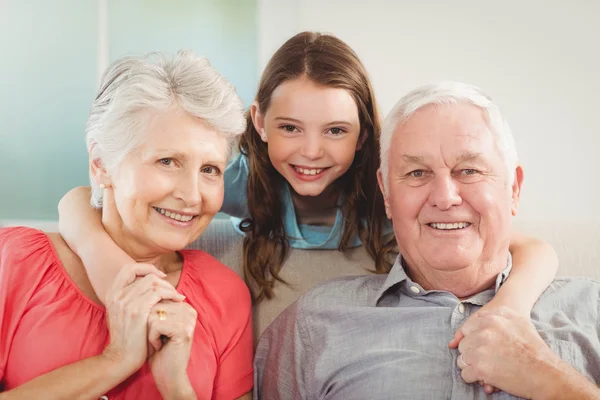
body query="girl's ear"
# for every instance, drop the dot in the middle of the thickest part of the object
(258, 121)
(361, 140)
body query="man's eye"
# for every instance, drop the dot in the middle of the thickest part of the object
(469, 171)
(166, 161)
(419, 173)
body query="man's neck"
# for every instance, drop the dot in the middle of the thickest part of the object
(463, 283)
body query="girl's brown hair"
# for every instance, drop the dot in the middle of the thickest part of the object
(327, 61)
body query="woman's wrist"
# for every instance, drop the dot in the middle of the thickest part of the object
(176, 389)
(117, 363)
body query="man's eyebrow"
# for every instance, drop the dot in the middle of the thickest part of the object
(413, 159)
(468, 157)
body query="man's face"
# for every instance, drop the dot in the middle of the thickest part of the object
(449, 193)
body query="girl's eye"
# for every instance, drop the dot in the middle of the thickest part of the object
(166, 161)
(337, 131)
(289, 128)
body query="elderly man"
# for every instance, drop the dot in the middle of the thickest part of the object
(452, 184)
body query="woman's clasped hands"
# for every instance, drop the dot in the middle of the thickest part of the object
(148, 320)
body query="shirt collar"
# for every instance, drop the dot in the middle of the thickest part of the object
(398, 275)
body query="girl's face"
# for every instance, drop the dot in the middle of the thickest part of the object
(312, 132)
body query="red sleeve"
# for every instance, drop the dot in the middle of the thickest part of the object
(22, 257)
(234, 375)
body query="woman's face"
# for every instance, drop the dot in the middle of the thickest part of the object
(168, 190)
(312, 133)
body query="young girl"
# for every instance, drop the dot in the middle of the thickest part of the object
(305, 178)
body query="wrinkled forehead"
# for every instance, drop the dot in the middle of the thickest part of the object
(449, 132)
(181, 133)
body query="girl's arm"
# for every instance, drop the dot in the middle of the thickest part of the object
(534, 266)
(81, 226)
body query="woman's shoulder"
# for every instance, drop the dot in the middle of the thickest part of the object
(27, 260)
(22, 244)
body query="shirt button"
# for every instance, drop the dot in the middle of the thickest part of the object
(461, 308)
(415, 289)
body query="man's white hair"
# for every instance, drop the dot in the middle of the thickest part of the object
(132, 85)
(441, 94)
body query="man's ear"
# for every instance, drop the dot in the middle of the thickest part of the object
(516, 189)
(258, 121)
(361, 139)
(386, 201)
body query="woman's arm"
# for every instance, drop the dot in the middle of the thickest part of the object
(86, 379)
(137, 288)
(534, 266)
(81, 227)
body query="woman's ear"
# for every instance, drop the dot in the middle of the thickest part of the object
(258, 121)
(361, 139)
(98, 173)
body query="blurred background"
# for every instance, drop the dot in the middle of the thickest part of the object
(539, 60)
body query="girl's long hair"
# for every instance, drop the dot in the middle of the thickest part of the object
(327, 61)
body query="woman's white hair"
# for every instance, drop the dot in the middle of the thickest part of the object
(446, 93)
(132, 85)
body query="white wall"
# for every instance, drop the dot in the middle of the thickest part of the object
(539, 60)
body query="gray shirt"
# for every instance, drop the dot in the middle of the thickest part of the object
(384, 337)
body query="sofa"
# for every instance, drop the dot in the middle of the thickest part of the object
(577, 246)
(576, 243)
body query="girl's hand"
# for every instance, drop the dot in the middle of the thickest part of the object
(171, 328)
(136, 289)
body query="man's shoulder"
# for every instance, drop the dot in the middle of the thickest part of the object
(345, 291)
(575, 284)
(575, 296)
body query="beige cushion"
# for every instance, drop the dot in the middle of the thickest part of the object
(577, 245)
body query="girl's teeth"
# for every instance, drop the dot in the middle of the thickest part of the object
(307, 171)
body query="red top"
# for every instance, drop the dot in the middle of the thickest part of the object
(46, 321)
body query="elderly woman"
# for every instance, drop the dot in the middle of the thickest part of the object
(159, 135)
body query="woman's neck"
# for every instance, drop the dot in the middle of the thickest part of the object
(164, 261)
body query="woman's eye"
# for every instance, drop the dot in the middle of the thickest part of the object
(211, 170)
(166, 161)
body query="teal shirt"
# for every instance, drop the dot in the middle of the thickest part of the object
(300, 236)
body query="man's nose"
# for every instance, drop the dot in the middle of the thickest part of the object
(312, 147)
(444, 193)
